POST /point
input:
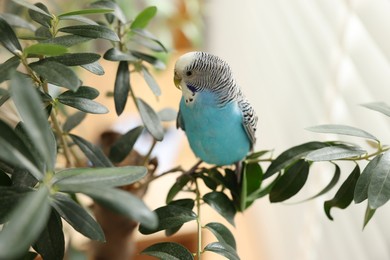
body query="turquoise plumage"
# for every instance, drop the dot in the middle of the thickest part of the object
(219, 122)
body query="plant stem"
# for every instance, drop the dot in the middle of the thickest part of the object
(61, 136)
(198, 220)
(173, 170)
(147, 156)
(380, 150)
(29, 70)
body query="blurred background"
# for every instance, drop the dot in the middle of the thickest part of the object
(301, 63)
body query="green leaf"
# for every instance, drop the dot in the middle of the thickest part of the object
(79, 18)
(15, 140)
(94, 67)
(119, 201)
(177, 187)
(147, 43)
(379, 187)
(230, 181)
(209, 182)
(85, 12)
(73, 121)
(9, 199)
(31, 6)
(263, 191)
(186, 203)
(123, 146)
(112, 5)
(217, 176)
(8, 37)
(151, 81)
(379, 107)
(144, 17)
(30, 108)
(251, 182)
(8, 67)
(168, 251)
(41, 33)
(75, 59)
(368, 215)
(167, 114)
(222, 249)
(291, 182)
(22, 131)
(16, 21)
(15, 158)
(361, 189)
(331, 184)
(77, 217)
(83, 104)
(48, 49)
(344, 195)
(222, 233)
(291, 155)
(51, 242)
(153, 43)
(82, 92)
(67, 40)
(5, 180)
(149, 59)
(56, 73)
(30, 214)
(222, 204)
(343, 130)
(335, 153)
(29, 256)
(93, 153)
(92, 31)
(99, 177)
(41, 17)
(114, 54)
(151, 120)
(22, 178)
(256, 155)
(169, 216)
(121, 87)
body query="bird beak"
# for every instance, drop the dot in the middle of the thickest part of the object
(177, 80)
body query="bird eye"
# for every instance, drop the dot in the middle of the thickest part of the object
(188, 73)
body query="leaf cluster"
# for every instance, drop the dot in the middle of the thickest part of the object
(35, 193)
(181, 211)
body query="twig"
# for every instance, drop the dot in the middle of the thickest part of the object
(198, 221)
(147, 156)
(173, 170)
(61, 136)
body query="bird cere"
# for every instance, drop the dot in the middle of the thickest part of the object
(218, 120)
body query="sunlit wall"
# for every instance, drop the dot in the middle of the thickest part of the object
(303, 63)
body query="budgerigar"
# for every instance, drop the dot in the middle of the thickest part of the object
(219, 122)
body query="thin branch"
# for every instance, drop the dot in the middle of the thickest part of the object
(198, 220)
(147, 156)
(61, 137)
(173, 170)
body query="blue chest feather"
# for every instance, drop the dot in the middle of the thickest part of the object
(216, 134)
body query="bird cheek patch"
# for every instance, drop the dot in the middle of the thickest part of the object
(192, 89)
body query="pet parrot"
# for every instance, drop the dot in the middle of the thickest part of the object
(218, 120)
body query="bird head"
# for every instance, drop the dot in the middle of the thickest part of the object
(200, 71)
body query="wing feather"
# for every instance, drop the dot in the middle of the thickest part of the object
(249, 120)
